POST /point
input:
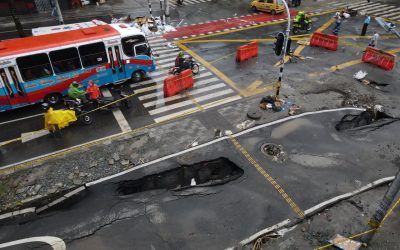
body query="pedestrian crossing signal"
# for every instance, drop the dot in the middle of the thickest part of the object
(280, 38)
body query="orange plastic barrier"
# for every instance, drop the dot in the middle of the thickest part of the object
(247, 51)
(380, 58)
(326, 41)
(175, 84)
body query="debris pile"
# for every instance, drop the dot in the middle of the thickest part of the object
(278, 105)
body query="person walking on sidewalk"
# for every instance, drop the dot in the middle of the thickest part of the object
(367, 20)
(374, 40)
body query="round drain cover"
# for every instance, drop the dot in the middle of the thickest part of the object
(254, 114)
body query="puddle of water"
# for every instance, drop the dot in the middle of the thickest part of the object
(314, 161)
(206, 173)
(291, 126)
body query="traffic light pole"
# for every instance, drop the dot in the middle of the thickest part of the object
(283, 53)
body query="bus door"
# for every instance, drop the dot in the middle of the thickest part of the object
(116, 63)
(12, 86)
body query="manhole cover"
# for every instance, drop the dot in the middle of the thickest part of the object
(274, 152)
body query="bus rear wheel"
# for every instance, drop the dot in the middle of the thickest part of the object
(53, 99)
(137, 76)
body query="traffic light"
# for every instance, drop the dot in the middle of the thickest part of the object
(289, 43)
(280, 39)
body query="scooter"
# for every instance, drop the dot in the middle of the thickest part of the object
(188, 64)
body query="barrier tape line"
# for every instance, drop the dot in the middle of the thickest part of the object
(388, 213)
(270, 179)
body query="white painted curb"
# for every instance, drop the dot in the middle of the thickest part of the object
(54, 242)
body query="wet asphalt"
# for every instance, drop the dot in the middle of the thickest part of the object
(220, 216)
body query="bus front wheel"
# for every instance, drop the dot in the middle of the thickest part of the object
(53, 99)
(137, 76)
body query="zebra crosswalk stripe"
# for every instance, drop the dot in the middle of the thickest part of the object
(208, 90)
(390, 11)
(383, 10)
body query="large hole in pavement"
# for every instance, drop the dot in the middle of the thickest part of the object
(363, 119)
(205, 173)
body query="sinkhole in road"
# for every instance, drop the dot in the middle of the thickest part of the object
(206, 173)
(365, 118)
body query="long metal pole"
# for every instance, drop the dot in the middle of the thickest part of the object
(166, 4)
(60, 17)
(287, 33)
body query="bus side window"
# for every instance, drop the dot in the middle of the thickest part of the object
(16, 81)
(128, 44)
(34, 66)
(93, 54)
(65, 60)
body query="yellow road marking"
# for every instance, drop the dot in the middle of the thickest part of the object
(264, 173)
(254, 85)
(226, 56)
(357, 61)
(187, 94)
(206, 64)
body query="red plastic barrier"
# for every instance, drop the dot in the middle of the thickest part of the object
(171, 85)
(326, 41)
(175, 84)
(186, 79)
(247, 51)
(380, 58)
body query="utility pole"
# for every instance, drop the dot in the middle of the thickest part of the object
(18, 25)
(381, 210)
(162, 12)
(166, 4)
(287, 34)
(59, 14)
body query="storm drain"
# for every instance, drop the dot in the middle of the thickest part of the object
(205, 173)
(274, 152)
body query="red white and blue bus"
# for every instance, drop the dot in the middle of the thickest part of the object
(41, 68)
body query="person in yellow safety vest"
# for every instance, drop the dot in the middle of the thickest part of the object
(54, 120)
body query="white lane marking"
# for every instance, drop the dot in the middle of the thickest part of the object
(390, 16)
(159, 85)
(206, 106)
(21, 119)
(162, 101)
(173, 54)
(339, 4)
(163, 51)
(383, 10)
(165, 60)
(389, 11)
(54, 242)
(160, 94)
(151, 41)
(122, 122)
(370, 6)
(189, 102)
(167, 65)
(157, 80)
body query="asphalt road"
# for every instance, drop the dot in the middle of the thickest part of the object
(219, 216)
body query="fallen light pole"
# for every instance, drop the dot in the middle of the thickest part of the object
(59, 14)
(283, 53)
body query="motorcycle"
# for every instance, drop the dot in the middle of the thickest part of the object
(189, 63)
(301, 26)
(80, 109)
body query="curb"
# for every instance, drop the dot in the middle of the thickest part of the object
(311, 211)
(35, 210)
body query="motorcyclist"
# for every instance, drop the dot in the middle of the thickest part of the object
(54, 120)
(75, 92)
(303, 20)
(181, 62)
